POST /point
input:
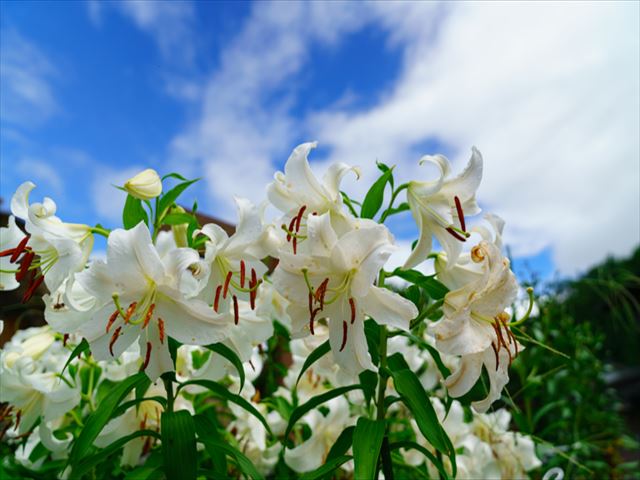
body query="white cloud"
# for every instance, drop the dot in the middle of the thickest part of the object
(169, 23)
(108, 201)
(40, 172)
(548, 92)
(27, 97)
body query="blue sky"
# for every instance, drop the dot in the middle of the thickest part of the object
(93, 92)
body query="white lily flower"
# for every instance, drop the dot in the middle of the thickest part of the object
(234, 262)
(310, 454)
(515, 453)
(439, 206)
(298, 193)
(62, 248)
(10, 237)
(475, 325)
(336, 282)
(29, 370)
(146, 185)
(139, 299)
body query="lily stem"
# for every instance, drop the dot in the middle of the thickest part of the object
(383, 374)
(168, 386)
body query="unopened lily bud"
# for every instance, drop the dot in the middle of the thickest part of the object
(145, 185)
(180, 231)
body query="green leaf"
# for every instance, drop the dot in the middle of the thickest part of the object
(226, 352)
(436, 289)
(99, 418)
(204, 428)
(367, 440)
(218, 457)
(223, 392)
(88, 463)
(385, 168)
(372, 334)
(403, 207)
(444, 371)
(133, 213)
(172, 195)
(312, 403)
(162, 402)
(369, 381)
(373, 200)
(432, 458)
(327, 468)
(349, 203)
(174, 175)
(179, 445)
(413, 395)
(178, 218)
(82, 347)
(318, 353)
(342, 444)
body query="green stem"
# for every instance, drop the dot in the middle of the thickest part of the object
(100, 231)
(395, 193)
(383, 374)
(168, 386)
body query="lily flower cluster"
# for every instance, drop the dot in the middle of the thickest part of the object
(284, 342)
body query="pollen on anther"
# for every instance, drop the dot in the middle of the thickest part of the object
(112, 319)
(236, 313)
(225, 289)
(460, 213)
(114, 337)
(161, 330)
(147, 317)
(129, 312)
(147, 357)
(242, 273)
(352, 304)
(344, 335)
(216, 300)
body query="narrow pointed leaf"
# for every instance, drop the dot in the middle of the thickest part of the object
(82, 347)
(407, 444)
(299, 412)
(223, 392)
(179, 445)
(99, 418)
(373, 200)
(133, 213)
(226, 352)
(318, 353)
(367, 441)
(329, 467)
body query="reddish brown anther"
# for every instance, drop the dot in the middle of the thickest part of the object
(19, 249)
(35, 283)
(352, 304)
(216, 300)
(321, 292)
(253, 289)
(455, 234)
(114, 337)
(227, 280)
(344, 335)
(161, 330)
(147, 317)
(18, 418)
(236, 313)
(460, 213)
(111, 321)
(299, 217)
(242, 273)
(312, 319)
(147, 357)
(25, 263)
(65, 339)
(495, 351)
(295, 245)
(129, 312)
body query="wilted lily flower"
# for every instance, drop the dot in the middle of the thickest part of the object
(146, 185)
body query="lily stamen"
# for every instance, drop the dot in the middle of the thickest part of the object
(344, 335)
(132, 308)
(242, 273)
(455, 234)
(147, 357)
(25, 264)
(299, 217)
(495, 351)
(112, 320)
(216, 300)
(460, 213)
(225, 289)
(236, 314)
(35, 283)
(161, 330)
(19, 249)
(114, 337)
(352, 304)
(149, 314)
